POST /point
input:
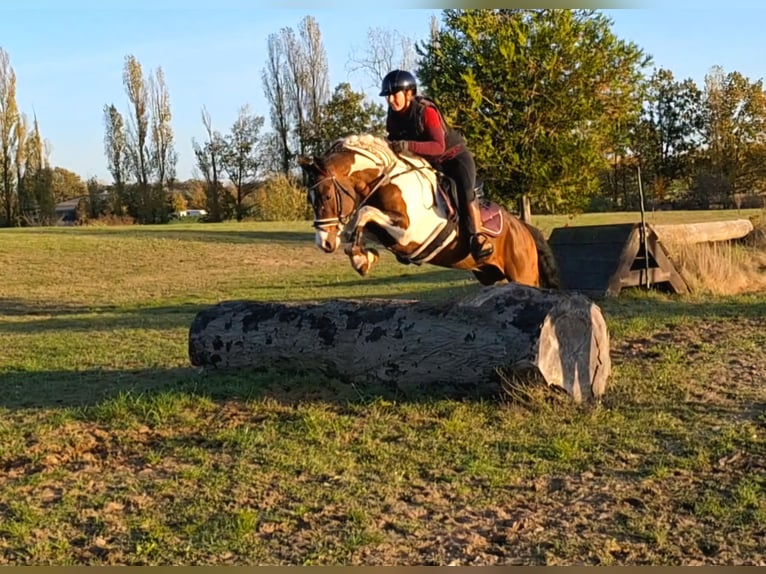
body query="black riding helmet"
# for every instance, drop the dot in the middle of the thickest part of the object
(396, 81)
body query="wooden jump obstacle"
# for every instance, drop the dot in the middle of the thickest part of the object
(601, 260)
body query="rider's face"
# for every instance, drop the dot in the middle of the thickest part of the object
(399, 101)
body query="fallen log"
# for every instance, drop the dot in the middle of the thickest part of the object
(704, 232)
(410, 345)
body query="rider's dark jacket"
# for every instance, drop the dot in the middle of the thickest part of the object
(425, 130)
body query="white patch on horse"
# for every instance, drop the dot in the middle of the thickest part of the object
(323, 237)
(415, 178)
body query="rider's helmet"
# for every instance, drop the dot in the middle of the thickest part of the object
(396, 81)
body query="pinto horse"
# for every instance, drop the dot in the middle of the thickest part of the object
(361, 189)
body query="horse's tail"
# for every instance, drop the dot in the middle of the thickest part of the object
(546, 260)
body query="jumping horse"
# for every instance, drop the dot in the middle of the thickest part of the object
(361, 189)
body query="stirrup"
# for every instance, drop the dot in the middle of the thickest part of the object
(481, 249)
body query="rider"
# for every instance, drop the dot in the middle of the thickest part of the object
(415, 124)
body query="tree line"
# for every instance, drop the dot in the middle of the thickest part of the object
(561, 114)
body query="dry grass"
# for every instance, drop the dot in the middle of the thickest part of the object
(724, 267)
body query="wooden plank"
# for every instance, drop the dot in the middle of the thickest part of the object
(637, 278)
(592, 234)
(624, 264)
(707, 231)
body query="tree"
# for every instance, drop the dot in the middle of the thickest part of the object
(9, 116)
(39, 205)
(385, 50)
(734, 123)
(23, 196)
(138, 137)
(66, 185)
(117, 156)
(241, 157)
(163, 154)
(347, 112)
(669, 130)
(209, 157)
(275, 84)
(536, 93)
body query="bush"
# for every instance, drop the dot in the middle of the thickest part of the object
(281, 199)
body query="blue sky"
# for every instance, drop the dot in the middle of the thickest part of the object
(68, 56)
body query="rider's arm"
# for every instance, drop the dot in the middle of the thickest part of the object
(433, 133)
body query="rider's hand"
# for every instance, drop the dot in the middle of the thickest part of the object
(398, 146)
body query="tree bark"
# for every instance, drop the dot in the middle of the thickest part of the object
(409, 345)
(708, 231)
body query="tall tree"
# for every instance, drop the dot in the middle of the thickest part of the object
(317, 89)
(734, 122)
(117, 156)
(307, 86)
(138, 139)
(275, 86)
(9, 116)
(163, 153)
(535, 92)
(241, 157)
(38, 179)
(20, 162)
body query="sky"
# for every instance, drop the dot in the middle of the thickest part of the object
(68, 56)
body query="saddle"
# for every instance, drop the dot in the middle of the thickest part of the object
(491, 216)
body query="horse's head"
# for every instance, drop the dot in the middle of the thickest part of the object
(331, 198)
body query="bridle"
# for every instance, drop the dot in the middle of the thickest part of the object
(340, 190)
(340, 218)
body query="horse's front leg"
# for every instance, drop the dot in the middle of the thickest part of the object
(363, 259)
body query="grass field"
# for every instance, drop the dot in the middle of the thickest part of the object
(114, 450)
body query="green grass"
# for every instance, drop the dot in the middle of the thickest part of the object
(114, 450)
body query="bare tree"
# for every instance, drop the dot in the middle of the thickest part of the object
(308, 86)
(9, 116)
(316, 89)
(209, 161)
(385, 50)
(296, 86)
(275, 88)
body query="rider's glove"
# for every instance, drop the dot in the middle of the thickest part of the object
(398, 146)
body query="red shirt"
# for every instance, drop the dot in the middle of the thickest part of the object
(432, 144)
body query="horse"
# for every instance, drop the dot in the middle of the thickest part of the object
(361, 189)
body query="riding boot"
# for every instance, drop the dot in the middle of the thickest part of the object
(481, 246)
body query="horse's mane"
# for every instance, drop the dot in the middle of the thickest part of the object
(373, 147)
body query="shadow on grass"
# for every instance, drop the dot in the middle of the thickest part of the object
(69, 317)
(73, 318)
(68, 389)
(203, 234)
